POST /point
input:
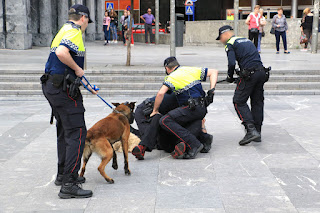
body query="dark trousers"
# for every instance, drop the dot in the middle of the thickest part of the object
(308, 34)
(122, 33)
(284, 39)
(71, 128)
(148, 29)
(106, 33)
(175, 121)
(254, 37)
(252, 89)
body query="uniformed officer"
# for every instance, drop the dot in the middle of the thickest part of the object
(185, 82)
(60, 86)
(252, 76)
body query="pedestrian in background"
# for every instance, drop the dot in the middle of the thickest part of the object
(122, 21)
(306, 26)
(106, 27)
(113, 25)
(148, 18)
(263, 23)
(279, 23)
(127, 24)
(253, 21)
(230, 17)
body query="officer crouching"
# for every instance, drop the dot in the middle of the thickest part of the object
(252, 76)
(60, 85)
(185, 82)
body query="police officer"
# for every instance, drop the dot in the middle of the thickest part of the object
(185, 82)
(252, 76)
(60, 85)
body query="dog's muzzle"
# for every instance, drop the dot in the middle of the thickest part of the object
(131, 118)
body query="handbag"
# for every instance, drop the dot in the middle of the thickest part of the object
(273, 31)
(303, 39)
(263, 34)
(254, 30)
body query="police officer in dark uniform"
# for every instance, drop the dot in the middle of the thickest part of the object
(252, 76)
(152, 136)
(185, 82)
(60, 85)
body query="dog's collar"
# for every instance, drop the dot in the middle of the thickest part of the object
(118, 112)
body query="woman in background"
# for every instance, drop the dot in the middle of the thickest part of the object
(113, 25)
(306, 26)
(127, 23)
(106, 27)
(263, 23)
(253, 21)
(279, 23)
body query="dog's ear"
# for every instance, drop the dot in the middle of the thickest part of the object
(132, 105)
(116, 104)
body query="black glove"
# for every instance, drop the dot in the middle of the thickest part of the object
(230, 79)
(209, 97)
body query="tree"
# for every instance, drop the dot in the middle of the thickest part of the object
(129, 35)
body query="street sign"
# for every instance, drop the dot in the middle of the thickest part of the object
(109, 6)
(128, 8)
(194, 0)
(188, 3)
(189, 10)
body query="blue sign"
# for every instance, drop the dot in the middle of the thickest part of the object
(109, 6)
(194, 0)
(189, 10)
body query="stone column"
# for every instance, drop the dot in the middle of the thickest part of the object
(44, 37)
(91, 30)
(99, 20)
(2, 29)
(294, 8)
(18, 36)
(63, 8)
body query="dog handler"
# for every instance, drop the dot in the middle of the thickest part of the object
(60, 85)
(252, 78)
(185, 82)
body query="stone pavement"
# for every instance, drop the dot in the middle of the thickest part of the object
(149, 57)
(279, 175)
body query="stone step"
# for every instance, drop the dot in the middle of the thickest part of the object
(152, 72)
(155, 86)
(146, 93)
(151, 79)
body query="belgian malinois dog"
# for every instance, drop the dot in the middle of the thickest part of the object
(100, 137)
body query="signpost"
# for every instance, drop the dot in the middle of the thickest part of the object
(109, 6)
(189, 4)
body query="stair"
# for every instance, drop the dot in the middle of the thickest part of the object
(142, 83)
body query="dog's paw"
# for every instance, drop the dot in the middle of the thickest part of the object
(127, 172)
(115, 166)
(111, 181)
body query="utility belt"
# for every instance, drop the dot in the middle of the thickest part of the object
(192, 103)
(247, 73)
(67, 81)
(149, 104)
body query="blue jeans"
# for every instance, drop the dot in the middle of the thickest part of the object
(284, 39)
(113, 28)
(259, 42)
(106, 33)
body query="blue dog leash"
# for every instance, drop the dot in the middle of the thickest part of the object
(95, 88)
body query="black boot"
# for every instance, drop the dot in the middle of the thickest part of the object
(71, 189)
(59, 179)
(206, 140)
(258, 128)
(252, 134)
(191, 154)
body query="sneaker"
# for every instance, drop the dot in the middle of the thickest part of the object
(277, 52)
(179, 150)
(304, 50)
(139, 151)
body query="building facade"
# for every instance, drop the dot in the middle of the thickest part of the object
(27, 23)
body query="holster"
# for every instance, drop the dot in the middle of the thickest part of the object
(267, 70)
(245, 73)
(44, 78)
(149, 107)
(73, 85)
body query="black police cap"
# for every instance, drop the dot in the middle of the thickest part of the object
(224, 29)
(169, 60)
(81, 10)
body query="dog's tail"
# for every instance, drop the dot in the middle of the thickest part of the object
(89, 136)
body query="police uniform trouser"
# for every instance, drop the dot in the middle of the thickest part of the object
(252, 88)
(176, 119)
(71, 128)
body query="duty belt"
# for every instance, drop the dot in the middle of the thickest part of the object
(193, 102)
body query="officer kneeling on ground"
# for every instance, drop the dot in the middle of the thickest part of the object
(152, 136)
(60, 85)
(185, 82)
(252, 76)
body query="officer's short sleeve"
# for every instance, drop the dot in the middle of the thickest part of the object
(168, 83)
(204, 73)
(72, 39)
